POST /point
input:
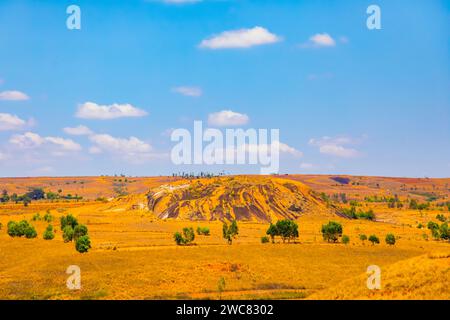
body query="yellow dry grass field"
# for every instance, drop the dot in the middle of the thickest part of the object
(134, 256)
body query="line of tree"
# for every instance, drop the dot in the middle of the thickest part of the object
(286, 229)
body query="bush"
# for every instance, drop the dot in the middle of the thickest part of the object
(36, 217)
(83, 244)
(265, 239)
(79, 231)
(331, 231)
(390, 239)
(178, 238)
(67, 234)
(374, 239)
(441, 218)
(203, 231)
(186, 237)
(444, 231)
(48, 217)
(49, 234)
(20, 229)
(68, 220)
(230, 232)
(362, 237)
(345, 239)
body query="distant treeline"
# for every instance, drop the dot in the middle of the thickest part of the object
(35, 194)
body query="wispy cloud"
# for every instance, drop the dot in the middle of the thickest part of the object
(78, 131)
(188, 91)
(10, 122)
(13, 96)
(336, 146)
(227, 118)
(319, 40)
(242, 38)
(30, 140)
(91, 110)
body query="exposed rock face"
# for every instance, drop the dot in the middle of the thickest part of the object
(246, 198)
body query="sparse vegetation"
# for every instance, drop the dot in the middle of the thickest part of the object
(265, 239)
(374, 239)
(203, 231)
(20, 229)
(83, 244)
(345, 239)
(332, 231)
(390, 239)
(184, 238)
(49, 234)
(230, 232)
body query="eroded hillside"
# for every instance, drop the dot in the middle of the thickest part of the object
(248, 198)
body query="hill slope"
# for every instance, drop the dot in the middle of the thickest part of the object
(248, 198)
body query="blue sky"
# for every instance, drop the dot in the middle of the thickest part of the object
(347, 99)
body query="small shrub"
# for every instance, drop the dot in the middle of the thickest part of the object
(441, 218)
(390, 239)
(186, 237)
(203, 231)
(83, 244)
(67, 234)
(48, 233)
(48, 217)
(79, 231)
(36, 217)
(362, 237)
(179, 240)
(345, 239)
(265, 239)
(374, 239)
(68, 220)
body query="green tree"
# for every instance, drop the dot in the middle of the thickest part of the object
(48, 233)
(189, 235)
(178, 237)
(362, 237)
(390, 239)
(83, 244)
(374, 239)
(68, 220)
(331, 231)
(265, 239)
(79, 231)
(287, 229)
(444, 231)
(230, 232)
(67, 234)
(272, 232)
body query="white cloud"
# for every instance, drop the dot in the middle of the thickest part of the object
(227, 118)
(13, 95)
(335, 146)
(319, 40)
(78, 131)
(282, 148)
(30, 140)
(242, 38)
(188, 91)
(64, 144)
(307, 166)
(11, 122)
(91, 110)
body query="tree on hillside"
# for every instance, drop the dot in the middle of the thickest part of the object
(374, 239)
(390, 239)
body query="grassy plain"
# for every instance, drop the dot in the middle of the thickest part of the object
(134, 256)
